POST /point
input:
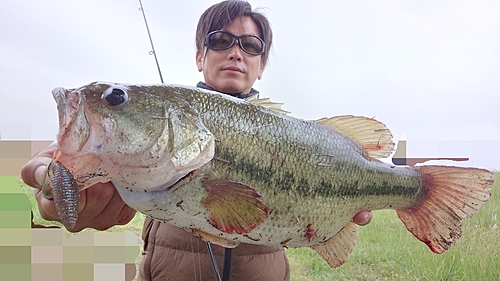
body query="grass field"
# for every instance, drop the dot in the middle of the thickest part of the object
(387, 251)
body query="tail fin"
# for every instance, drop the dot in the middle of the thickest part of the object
(454, 193)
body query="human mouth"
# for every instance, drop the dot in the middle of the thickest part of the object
(233, 68)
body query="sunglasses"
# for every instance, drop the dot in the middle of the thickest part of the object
(222, 40)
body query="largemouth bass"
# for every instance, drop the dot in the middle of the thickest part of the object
(232, 171)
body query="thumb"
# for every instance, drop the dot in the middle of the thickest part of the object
(40, 175)
(34, 173)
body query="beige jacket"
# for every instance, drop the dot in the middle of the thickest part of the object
(171, 253)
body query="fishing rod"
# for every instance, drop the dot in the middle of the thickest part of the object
(227, 253)
(153, 52)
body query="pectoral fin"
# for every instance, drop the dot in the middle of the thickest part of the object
(336, 250)
(233, 207)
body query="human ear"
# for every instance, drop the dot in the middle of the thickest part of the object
(199, 61)
(261, 70)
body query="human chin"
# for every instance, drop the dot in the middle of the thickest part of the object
(231, 86)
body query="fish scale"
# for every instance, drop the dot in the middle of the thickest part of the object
(264, 164)
(232, 171)
(345, 177)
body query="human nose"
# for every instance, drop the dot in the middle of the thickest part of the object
(235, 52)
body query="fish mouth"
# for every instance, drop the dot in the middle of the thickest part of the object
(73, 126)
(80, 138)
(187, 176)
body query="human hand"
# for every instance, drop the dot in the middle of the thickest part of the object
(101, 207)
(362, 218)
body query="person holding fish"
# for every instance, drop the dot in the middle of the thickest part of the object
(233, 44)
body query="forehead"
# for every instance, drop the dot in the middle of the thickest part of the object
(243, 25)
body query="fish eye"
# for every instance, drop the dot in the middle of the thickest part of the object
(115, 96)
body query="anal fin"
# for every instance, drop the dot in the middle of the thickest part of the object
(336, 250)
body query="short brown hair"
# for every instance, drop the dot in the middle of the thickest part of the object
(221, 15)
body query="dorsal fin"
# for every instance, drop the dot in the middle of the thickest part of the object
(370, 134)
(267, 103)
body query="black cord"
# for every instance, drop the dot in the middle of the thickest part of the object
(227, 264)
(214, 262)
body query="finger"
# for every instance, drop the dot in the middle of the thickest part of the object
(116, 212)
(46, 207)
(33, 173)
(363, 218)
(126, 215)
(83, 201)
(93, 201)
(97, 197)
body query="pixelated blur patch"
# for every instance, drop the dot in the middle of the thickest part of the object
(84, 256)
(15, 208)
(15, 271)
(15, 231)
(13, 155)
(43, 253)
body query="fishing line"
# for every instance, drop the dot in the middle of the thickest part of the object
(209, 247)
(214, 262)
(153, 52)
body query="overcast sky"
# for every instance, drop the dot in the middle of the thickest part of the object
(430, 70)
